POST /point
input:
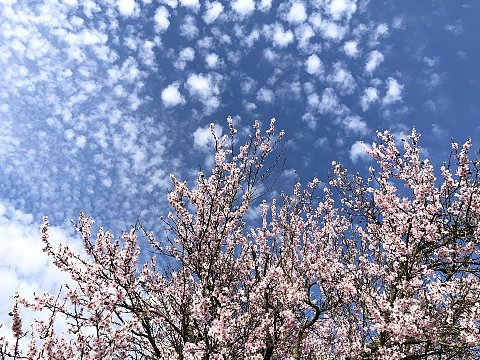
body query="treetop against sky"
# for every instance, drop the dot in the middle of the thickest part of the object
(353, 269)
(100, 101)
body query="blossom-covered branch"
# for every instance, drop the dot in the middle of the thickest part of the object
(385, 267)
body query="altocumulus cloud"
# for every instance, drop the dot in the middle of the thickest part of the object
(171, 96)
(394, 91)
(357, 152)
(101, 101)
(243, 7)
(25, 268)
(313, 65)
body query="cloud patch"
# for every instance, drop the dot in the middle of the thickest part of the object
(243, 8)
(313, 65)
(339, 9)
(350, 48)
(265, 95)
(369, 96)
(280, 37)
(358, 153)
(171, 96)
(126, 7)
(214, 9)
(206, 89)
(342, 78)
(203, 138)
(297, 13)
(25, 267)
(375, 58)
(185, 55)
(161, 19)
(191, 4)
(394, 92)
(355, 125)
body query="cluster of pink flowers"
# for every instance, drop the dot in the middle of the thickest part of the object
(385, 267)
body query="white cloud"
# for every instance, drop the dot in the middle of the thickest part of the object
(329, 103)
(265, 5)
(193, 4)
(310, 120)
(270, 55)
(205, 43)
(330, 30)
(375, 58)
(254, 213)
(25, 267)
(203, 138)
(81, 141)
(161, 19)
(171, 3)
(243, 7)
(206, 89)
(290, 89)
(321, 142)
(281, 38)
(199, 84)
(314, 65)
(342, 78)
(313, 100)
(187, 54)
(171, 96)
(309, 87)
(304, 33)
(297, 13)
(462, 54)
(212, 60)
(265, 95)
(234, 56)
(434, 80)
(69, 134)
(248, 85)
(438, 131)
(430, 61)
(221, 36)
(355, 125)
(214, 9)
(370, 95)
(147, 54)
(394, 92)
(8, 2)
(339, 9)
(350, 48)
(189, 28)
(249, 106)
(126, 7)
(357, 152)
(380, 31)
(251, 38)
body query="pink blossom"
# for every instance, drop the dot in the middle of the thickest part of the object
(381, 268)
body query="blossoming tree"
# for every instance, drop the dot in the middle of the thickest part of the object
(385, 267)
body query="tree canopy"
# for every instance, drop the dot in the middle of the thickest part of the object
(383, 266)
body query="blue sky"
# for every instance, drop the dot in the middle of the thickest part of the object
(100, 101)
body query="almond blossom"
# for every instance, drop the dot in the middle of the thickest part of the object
(383, 267)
